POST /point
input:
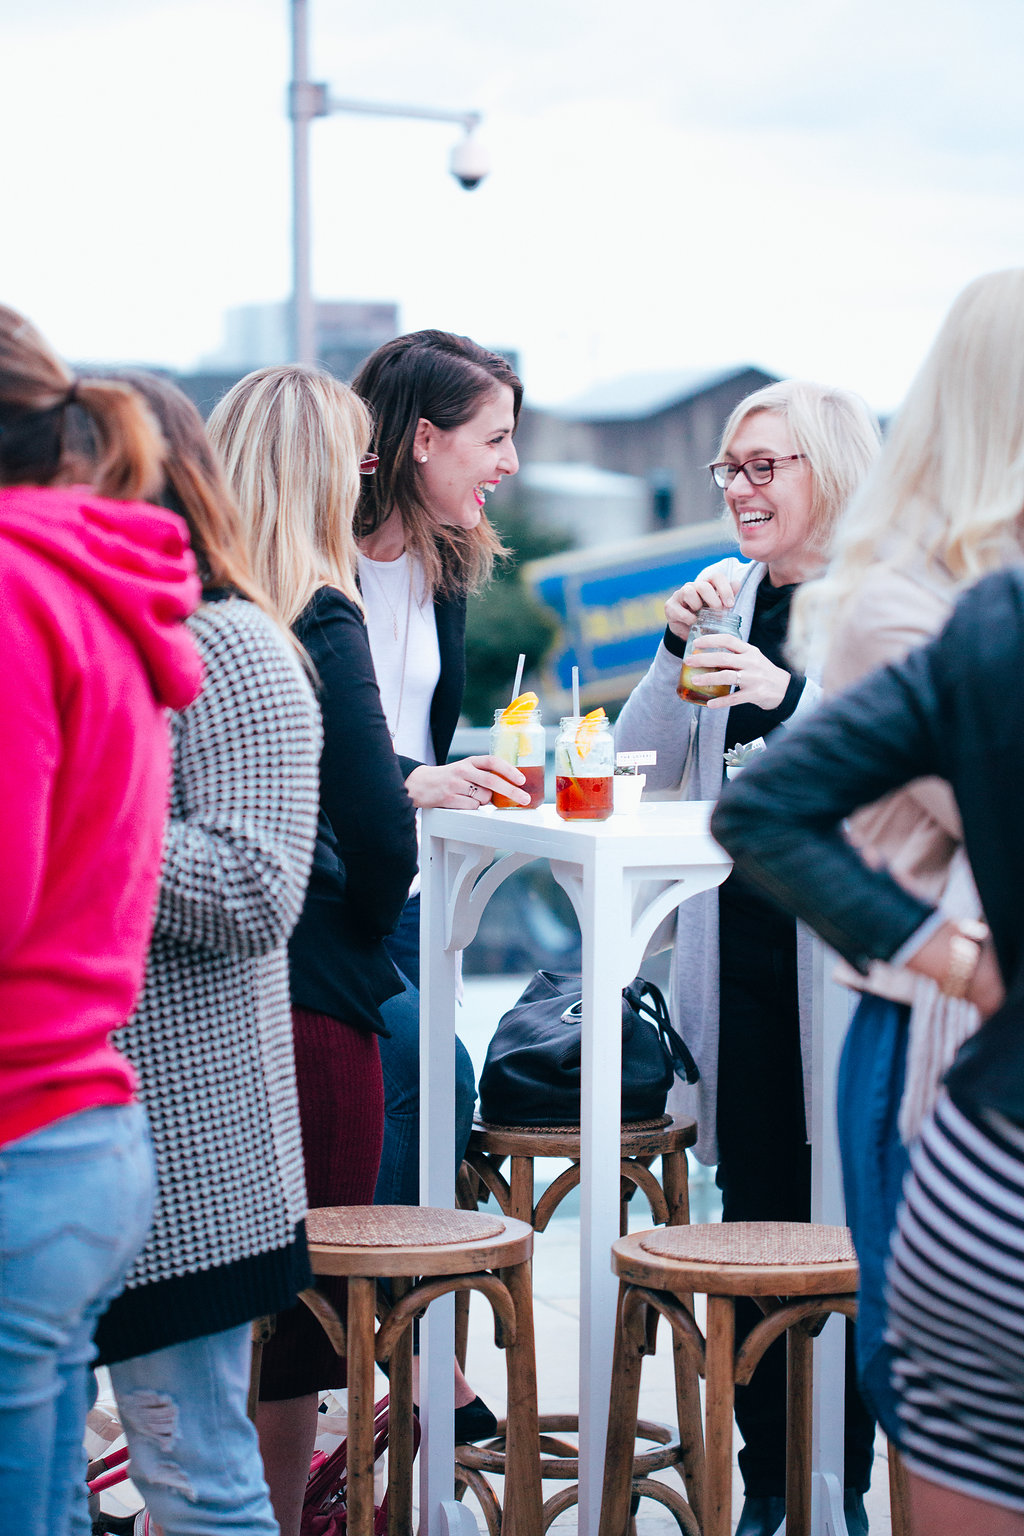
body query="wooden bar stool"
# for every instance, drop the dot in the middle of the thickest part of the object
(642, 1142)
(797, 1272)
(425, 1253)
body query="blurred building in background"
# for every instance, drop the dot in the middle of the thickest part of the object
(660, 428)
(258, 336)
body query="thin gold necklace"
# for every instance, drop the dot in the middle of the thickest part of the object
(394, 625)
(387, 601)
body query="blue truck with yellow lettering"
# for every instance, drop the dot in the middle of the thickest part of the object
(610, 605)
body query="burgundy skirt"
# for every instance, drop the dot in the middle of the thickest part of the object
(341, 1106)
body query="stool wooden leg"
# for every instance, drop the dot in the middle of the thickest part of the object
(688, 1417)
(523, 1502)
(675, 1181)
(719, 1368)
(621, 1444)
(361, 1320)
(400, 1452)
(899, 1494)
(520, 1180)
(799, 1420)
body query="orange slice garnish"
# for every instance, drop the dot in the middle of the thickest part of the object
(588, 729)
(519, 710)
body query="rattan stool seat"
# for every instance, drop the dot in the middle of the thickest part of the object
(741, 1258)
(412, 1240)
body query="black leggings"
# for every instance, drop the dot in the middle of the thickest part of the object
(764, 1167)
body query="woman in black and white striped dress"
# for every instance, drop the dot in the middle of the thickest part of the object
(956, 1307)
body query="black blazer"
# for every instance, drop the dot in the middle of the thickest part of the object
(365, 853)
(953, 708)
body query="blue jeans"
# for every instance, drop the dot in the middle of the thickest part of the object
(76, 1201)
(875, 1162)
(399, 1180)
(195, 1458)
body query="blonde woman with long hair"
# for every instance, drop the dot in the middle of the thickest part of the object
(293, 441)
(943, 506)
(791, 457)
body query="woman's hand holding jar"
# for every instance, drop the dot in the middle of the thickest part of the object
(711, 589)
(726, 659)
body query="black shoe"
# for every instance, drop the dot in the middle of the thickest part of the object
(474, 1421)
(763, 1514)
(856, 1514)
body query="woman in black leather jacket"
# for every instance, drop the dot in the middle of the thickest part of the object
(956, 1318)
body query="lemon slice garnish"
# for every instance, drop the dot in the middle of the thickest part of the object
(587, 730)
(517, 712)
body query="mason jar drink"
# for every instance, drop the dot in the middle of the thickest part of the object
(584, 768)
(519, 740)
(709, 621)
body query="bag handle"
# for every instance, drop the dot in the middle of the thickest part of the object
(656, 1011)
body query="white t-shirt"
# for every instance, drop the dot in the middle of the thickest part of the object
(391, 606)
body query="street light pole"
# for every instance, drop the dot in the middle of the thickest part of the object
(308, 99)
(301, 105)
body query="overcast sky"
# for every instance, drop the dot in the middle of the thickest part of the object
(803, 185)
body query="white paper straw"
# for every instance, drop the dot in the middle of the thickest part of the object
(519, 675)
(575, 690)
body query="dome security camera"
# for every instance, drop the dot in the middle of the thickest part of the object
(469, 162)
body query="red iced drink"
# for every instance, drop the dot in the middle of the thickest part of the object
(533, 773)
(583, 799)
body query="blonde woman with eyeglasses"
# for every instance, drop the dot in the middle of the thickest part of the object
(791, 457)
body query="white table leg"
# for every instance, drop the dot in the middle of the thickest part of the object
(602, 928)
(438, 972)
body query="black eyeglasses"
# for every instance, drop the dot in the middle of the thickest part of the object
(368, 463)
(757, 471)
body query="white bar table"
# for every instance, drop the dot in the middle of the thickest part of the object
(623, 876)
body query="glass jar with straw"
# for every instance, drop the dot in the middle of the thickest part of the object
(517, 736)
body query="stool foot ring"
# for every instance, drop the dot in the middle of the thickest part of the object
(641, 1488)
(813, 1314)
(466, 1478)
(560, 1458)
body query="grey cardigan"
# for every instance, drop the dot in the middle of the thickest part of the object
(690, 741)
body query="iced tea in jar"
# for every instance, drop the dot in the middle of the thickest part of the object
(584, 767)
(517, 736)
(709, 621)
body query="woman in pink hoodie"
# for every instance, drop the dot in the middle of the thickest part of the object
(93, 591)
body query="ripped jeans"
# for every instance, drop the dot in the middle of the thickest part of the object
(195, 1458)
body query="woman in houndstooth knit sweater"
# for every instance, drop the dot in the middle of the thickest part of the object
(211, 1039)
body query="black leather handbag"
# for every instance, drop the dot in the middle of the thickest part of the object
(531, 1075)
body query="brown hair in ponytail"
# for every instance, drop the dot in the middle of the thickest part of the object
(38, 401)
(195, 486)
